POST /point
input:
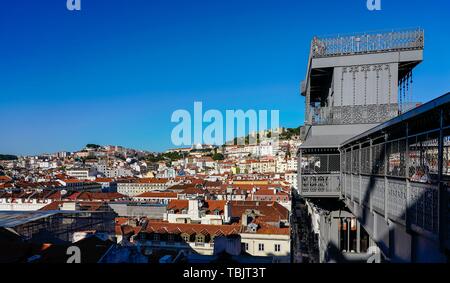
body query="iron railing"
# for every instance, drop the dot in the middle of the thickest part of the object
(326, 185)
(364, 43)
(353, 114)
(401, 170)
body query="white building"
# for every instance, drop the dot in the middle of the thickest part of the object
(211, 212)
(82, 173)
(20, 204)
(139, 186)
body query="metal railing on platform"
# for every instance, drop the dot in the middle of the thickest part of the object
(325, 185)
(365, 43)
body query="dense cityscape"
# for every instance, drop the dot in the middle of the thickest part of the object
(125, 205)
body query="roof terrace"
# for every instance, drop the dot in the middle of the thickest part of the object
(367, 43)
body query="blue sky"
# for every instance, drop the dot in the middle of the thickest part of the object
(114, 72)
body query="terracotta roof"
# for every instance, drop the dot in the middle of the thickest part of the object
(158, 195)
(5, 179)
(104, 180)
(152, 180)
(264, 228)
(213, 184)
(180, 187)
(99, 196)
(72, 181)
(213, 205)
(178, 205)
(55, 195)
(73, 196)
(193, 190)
(52, 206)
(5, 186)
(270, 211)
(210, 206)
(192, 228)
(270, 192)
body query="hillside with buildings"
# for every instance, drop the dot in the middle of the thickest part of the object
(184, 205)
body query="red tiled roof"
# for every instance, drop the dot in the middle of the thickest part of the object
(55, 195)
(5, 179)
(158, 195)
(193, 190)
(269, 192)
(5, 186)
(73, 196)
(104, 180)
(213, 205)
(178, 204)
(99, 196)
(152, 180)
(193, 228)
(264, 228)
(210, 205)
(270, 211)
(52, 206)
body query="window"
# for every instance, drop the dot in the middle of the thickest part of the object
(155, 237)
(171, 237)
(246, 246)
(277, 247)
(199, 238)
(185, 237)
(260, 247)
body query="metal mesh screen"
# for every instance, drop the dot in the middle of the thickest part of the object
(334, 163)
(446, 156)
(396, 153)
(423, 158)
(348, 162)
(365, 160)
(355, 161)
(321, 163)
(378, 156)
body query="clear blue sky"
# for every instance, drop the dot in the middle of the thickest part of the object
(114, 72)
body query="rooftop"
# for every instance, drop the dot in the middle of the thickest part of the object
(11, 219)
(367, 42)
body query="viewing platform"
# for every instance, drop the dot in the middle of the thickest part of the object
(367, 43)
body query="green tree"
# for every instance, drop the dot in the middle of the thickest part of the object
(218, 156)
(91, 145)
(7, 157)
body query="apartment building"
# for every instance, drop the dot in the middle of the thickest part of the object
(82, 173)
(139, 186)
(210, 212)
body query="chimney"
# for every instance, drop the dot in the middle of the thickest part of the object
(193, 207)
(244, 219)
(70, 206)
(227, 212)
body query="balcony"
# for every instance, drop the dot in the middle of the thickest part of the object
(320, 185)
(367, 43)
(358, 114)
(401, 170)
